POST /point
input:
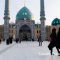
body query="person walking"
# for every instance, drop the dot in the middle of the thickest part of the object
(0, 41)
(53, 40)
(58, 41)
(39, 40)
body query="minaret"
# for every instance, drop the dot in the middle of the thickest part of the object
(6, 20)
(42, 19)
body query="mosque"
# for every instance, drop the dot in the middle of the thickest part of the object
(24, 24)
(24, 27)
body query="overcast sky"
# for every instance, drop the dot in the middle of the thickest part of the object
(52, 9)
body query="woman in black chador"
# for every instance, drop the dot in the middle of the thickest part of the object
(53, 40)
(58, 41)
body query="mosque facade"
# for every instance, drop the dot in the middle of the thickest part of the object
(24, 27)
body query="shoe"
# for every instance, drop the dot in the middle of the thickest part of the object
(59, 55)
(52, 54)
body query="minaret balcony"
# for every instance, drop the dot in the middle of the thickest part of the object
(7, 17)
(42, 18)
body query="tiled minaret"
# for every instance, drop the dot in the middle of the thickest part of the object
(6, 20)
(42, 19)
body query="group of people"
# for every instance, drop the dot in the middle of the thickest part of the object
(10, 40)
(54, 41)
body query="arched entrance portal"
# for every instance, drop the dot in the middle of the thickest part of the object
(25, 33)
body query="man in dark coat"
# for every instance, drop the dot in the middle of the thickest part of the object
(10, 39)
(7, 41)
(17, 40)
(39, 40)
(0, 41)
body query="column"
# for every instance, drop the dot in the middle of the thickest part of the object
(6, 20)
(42, 19)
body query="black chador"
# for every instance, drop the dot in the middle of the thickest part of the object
(53, 40)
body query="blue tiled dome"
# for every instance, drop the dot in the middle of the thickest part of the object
(55, 22)
(24, 14)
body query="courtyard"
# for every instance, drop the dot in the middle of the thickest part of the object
(27, 50)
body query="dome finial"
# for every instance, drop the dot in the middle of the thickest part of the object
(24, 2)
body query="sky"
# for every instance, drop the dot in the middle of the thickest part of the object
(52, 9)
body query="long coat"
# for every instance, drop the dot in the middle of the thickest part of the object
(53, 41)
(58, 40)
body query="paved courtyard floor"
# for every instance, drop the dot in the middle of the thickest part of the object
(27, 51)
